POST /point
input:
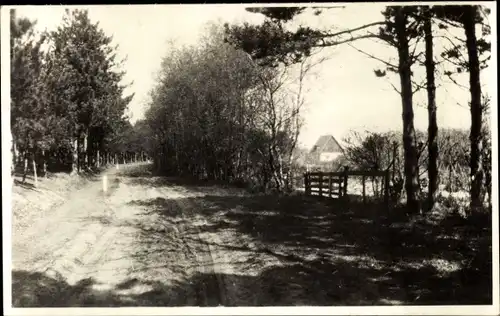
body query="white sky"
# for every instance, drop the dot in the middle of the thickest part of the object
(344, 94)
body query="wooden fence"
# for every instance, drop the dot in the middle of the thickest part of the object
(335, 184)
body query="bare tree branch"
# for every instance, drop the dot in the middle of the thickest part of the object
(350, 31)
(454, 46)
(395, 89)
(352, 39)
(373, 57)
(456, 83)
(419, 86)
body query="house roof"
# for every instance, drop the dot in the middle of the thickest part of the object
(327, 143)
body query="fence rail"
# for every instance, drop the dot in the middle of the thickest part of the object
(335, 184)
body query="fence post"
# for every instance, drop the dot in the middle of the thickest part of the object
(364, 188)
(330, 186)
(307, 184)
(386, 188)
(321, 184)
(394, 157)
(346, 170)
(340, 183)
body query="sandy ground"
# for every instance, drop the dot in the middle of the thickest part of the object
(118, 246)
(151, 241)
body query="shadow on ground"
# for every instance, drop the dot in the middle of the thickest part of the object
(342, 254)
(317, 283)
(329, 253)
(359, 256)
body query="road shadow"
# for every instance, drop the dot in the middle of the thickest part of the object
(25, 185)
(36, 289)
(313, 283)
(375, 256)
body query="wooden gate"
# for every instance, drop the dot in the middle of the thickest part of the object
(325, 184)
(334, 184)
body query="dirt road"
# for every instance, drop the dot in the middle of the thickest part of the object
(151, 241)
(130, 245)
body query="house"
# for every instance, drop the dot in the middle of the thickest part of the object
(325, 151)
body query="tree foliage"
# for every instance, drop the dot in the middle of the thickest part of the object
(401, 27)
(26, 84)
(67, 97)
(215, 114)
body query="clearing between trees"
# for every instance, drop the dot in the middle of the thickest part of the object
(156, 241)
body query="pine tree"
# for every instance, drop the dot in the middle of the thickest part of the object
(86, 87)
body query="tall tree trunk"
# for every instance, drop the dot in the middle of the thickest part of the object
(74, 160)
(44, 163)
(409, 136)
(77, 153)
(432, 132)
(273, 170)
(85, 151)
(14, 156)
(25, 168)
(20, 157)
(33, 163)
(476, 111)
(98, 159)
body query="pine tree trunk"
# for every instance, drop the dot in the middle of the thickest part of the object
(25, 168)
(75, 165)
(476, 111)
(33, 162)
(98, 159)
(14, 156)
(431, 108)
(85, 151)
(20, 158)
(44, 163)
(409, 136)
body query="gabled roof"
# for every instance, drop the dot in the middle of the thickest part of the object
(327, 143)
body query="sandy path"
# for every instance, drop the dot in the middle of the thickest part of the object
(114, 240)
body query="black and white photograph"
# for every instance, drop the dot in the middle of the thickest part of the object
(300, 158)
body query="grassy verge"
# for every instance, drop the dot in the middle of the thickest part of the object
(30, 202)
